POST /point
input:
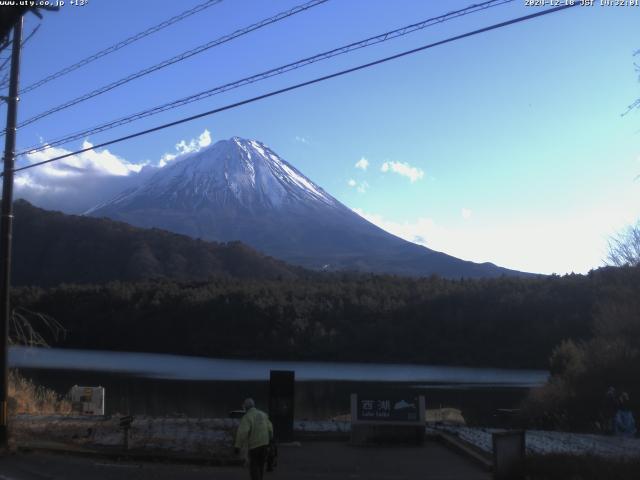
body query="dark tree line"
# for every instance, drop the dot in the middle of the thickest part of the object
(506, 322)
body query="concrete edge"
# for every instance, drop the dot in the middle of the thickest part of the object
(467, 449)
(134, 455)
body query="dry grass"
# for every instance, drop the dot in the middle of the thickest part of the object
(27, 397)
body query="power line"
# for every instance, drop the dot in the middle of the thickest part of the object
(270, 73)
(187, 13)
(6, 61)
(176, 59)
(24, 42)
(303, 84)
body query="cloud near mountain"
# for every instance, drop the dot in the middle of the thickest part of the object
(77, 183)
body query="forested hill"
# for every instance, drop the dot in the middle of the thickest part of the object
(52, 248)
(505, 322)
(174, 294)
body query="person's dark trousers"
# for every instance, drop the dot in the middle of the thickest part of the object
(257, 457)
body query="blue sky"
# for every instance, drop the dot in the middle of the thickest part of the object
(506, 147)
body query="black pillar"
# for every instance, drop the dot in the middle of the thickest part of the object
(281, 401)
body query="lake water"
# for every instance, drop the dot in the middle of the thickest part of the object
(158, 384)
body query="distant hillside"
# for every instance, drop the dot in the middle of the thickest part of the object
(52, 248)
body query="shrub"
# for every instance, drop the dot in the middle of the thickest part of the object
(27, 397)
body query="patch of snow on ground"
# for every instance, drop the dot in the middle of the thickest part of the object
(195, 436)
(540, 442)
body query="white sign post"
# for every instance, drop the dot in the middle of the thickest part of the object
(87, 400)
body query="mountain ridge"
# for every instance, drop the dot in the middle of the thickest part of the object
(52, 248)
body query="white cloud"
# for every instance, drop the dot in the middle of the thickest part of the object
(361, 187)
(466, 213)
(362, 164)
(575, 244)
(23, 181)
(183, 147)
(403, 169)
(420, 231)
(304, 140)
(96, 162)
(77, 183)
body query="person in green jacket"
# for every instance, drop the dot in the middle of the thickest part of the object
(255, 432)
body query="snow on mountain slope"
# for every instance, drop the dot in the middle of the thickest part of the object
(236, 170)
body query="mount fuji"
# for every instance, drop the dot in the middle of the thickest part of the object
(240, 189)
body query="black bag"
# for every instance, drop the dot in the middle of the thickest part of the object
(272, 456)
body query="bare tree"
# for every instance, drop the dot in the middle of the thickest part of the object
(624, 248)
(635, 104)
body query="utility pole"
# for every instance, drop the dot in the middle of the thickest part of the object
(6, 227)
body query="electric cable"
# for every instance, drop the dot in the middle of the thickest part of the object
(302, 84)
(175, 59)
(268, 74)
(128, 41)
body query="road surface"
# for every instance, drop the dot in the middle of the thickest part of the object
(317, 460)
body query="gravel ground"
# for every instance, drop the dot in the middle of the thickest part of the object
(197, 437)
(213, 438)
(176, 436)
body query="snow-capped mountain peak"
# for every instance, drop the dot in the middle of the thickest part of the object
(240, 189)
(240, 171)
